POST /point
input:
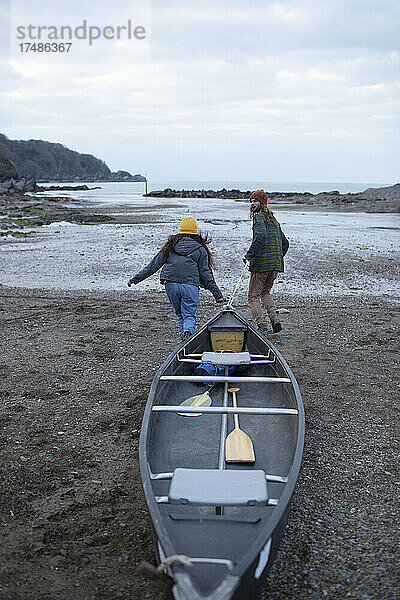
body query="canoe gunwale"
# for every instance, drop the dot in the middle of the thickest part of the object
(280, 510)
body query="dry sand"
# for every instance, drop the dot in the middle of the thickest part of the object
(75, 375)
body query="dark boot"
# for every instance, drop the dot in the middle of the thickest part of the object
(186, 335)
(275, 322)
(263, 327)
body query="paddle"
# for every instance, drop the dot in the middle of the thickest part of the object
(200, 400)
(238, 445)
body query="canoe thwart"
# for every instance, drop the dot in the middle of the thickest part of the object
(218, 487)
(197, 355)
(194, 361)
(218, 410)
(223, 378)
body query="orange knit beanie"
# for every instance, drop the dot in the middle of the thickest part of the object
(259, 195)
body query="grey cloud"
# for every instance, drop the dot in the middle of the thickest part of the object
(218, 28)
(291, 88)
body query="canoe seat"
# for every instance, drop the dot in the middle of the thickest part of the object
(226, 358)
(218, 487)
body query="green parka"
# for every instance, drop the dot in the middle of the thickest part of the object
(269, 246)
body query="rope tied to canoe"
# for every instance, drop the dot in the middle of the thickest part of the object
(159, 574)
(237, 286)
(173, 559)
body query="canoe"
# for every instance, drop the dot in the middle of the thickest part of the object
(218, 524)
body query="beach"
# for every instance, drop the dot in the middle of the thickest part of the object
(120, 120)
(80, 350)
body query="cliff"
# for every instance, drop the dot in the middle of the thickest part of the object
(7, 169)
(44, 161)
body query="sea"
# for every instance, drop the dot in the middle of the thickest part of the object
(125, 192)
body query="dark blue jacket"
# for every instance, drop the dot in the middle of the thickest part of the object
(186, 263)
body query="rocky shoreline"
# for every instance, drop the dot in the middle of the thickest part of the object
(20, 213)
(386, 199)
(67, 188)
(15, 185)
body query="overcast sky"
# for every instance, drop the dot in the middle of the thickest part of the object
(305, 90)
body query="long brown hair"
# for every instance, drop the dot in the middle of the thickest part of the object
(201, 238)
(266, 212)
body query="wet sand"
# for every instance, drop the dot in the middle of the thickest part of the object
(97, 246)
(75, 374)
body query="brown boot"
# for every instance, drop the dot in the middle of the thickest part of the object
(275, 322)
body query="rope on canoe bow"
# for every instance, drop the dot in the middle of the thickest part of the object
(159, 574)
(230, 300)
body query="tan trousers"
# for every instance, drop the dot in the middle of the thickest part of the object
(259, 291)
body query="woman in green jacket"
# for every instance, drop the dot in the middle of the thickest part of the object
(265, 258)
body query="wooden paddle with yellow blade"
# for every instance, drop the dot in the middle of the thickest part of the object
(238, 445)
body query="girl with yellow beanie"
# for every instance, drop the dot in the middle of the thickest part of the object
(187, 265)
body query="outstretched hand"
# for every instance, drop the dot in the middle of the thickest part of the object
(220, 300)
(129, 283)
(244, 260)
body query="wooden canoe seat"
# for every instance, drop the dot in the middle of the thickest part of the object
(218, 487)
(226, 358)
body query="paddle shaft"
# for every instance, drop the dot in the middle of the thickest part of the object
(235, 416)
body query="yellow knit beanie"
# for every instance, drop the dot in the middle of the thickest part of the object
(188, 225)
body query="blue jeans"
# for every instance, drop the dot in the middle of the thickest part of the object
(184, 298)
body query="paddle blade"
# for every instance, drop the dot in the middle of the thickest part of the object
(200, 400)
(239, 447)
